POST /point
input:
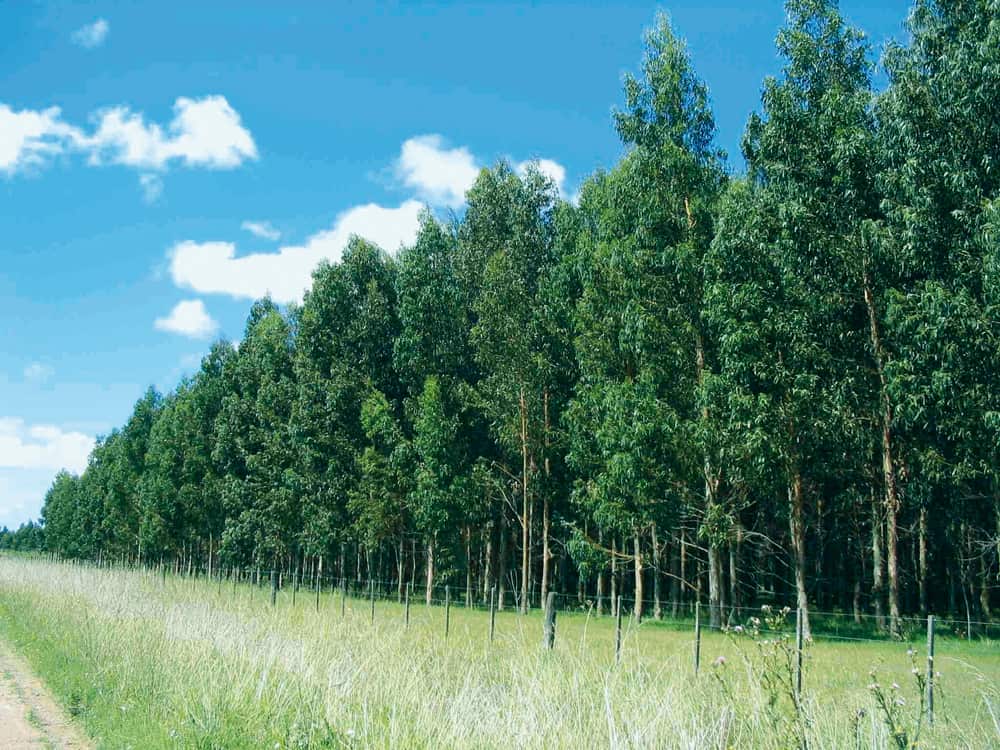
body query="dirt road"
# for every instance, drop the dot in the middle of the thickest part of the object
(29, 717)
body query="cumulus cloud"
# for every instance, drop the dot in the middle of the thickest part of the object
(439, 175)
(214, 268)
(38, 372)
(205, 132)
(262, 229)
(92, 35)
(42, 446)
(29, 137)
(188, 318)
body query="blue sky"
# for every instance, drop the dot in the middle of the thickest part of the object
(162, 164)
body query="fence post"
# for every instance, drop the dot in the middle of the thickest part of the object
(697, 636)
(549, 628)
(930, 668)
(407, 605)
(493, 611)
(319, 589)
(799, 622)
(274, 587)
(618, 629)
(371, 595)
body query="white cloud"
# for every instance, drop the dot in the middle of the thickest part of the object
(42, 446)
(439, 175)
(551, 169)
(262, 229)
(29, 137)
(204, 132)
(213, 268)
(38, 372)
(188, 318)
(436, 173)
(92, 35)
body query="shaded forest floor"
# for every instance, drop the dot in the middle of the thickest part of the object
(171, 663)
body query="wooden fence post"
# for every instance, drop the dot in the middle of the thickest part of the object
(618, 629)
(549, 628)
(799, 623)
(493, 611)
(274, 587)
(930, 668)
(697, 637)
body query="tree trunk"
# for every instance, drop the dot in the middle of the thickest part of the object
(798, 534)
(922, 555)
(734, 555)
(525, 520)
(502, 569)
(657, 604)
(400, 567)
(614, 578)
(488, 563)
(637, 547)
(878, 581)
(675, 578)
(714, 586)
(888, 465)
(600, 577)
(468, 566)
(546, 552)
(429, 593)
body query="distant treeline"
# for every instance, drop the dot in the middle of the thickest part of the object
(783, 386)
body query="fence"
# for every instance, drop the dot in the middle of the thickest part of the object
(281, 587)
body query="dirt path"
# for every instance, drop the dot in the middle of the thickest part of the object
(29, 717)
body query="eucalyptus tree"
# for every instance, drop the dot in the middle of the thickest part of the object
(641, 341)
(252, 445)
(506, 249)
(940, 132)
(345, 332)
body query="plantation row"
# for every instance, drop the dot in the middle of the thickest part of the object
(776, 387)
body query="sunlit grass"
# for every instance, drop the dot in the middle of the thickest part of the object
(181, 663)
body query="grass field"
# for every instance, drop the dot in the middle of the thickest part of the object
(146, 663)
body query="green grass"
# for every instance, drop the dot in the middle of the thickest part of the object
(145, 664)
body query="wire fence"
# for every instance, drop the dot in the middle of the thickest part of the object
(503, 597)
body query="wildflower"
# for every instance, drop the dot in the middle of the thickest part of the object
(719, 661)
(900, 702)
(915, 671)
(738, 629)
(873, 686)
(910, 652)
(350, 733)
(895, 686)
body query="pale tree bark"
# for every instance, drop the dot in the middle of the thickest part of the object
(614, 578)
(922, 557)
(429, 593)
(878, 573)
(657, 604)
(889, 475)
(525, 509)
(600, 577)
(546, 551)
(637, 549)
(796, 522)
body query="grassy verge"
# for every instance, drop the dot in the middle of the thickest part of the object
(148, 664)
